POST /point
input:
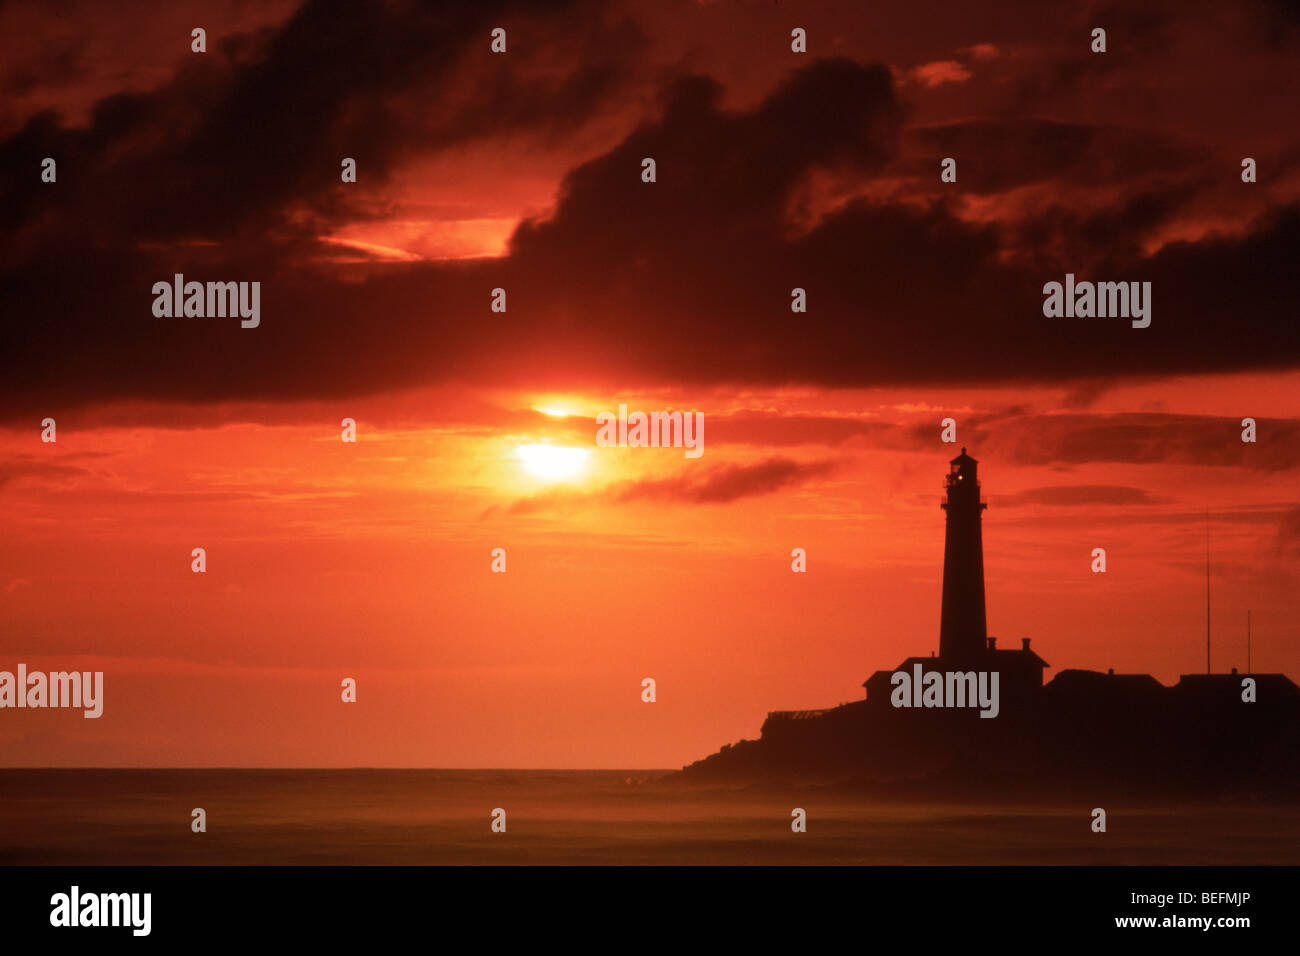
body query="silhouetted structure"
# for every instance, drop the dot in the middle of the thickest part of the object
(963, 643)
(1206, 734)
(962, 626)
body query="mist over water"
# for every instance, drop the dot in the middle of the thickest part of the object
(412, 817)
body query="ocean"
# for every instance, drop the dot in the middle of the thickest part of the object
(418, 817)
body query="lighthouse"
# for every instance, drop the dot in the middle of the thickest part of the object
(965, 649)
(962, 627)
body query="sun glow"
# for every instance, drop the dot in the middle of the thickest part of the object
(553, 462)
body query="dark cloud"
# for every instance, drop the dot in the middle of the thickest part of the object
(32, 466)
(1287, 542)
(230, 172)
(1133, 438)
(1007, 153)
(727, 483)
(246, 138)
(754, 428)
(1074, 495)
(711, 485)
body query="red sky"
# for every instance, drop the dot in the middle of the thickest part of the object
(372, 560)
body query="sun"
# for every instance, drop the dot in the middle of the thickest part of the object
(553, 462)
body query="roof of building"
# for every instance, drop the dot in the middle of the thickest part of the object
(1076, 679)
(1020, 653)
(1278, 683)
(1020, 657)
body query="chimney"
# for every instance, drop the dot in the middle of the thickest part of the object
(1024, 643)
(961, 620)
(993, 643)
(1110, 671)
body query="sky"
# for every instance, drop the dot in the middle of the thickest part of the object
(522, 171)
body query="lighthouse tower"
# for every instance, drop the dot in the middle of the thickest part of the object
(962, 627)
(964, 644)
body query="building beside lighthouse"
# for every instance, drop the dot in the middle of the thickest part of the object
(964, 644)
(1085, 732)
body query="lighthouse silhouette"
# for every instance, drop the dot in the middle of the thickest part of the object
(964, 644)
(962, 626)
